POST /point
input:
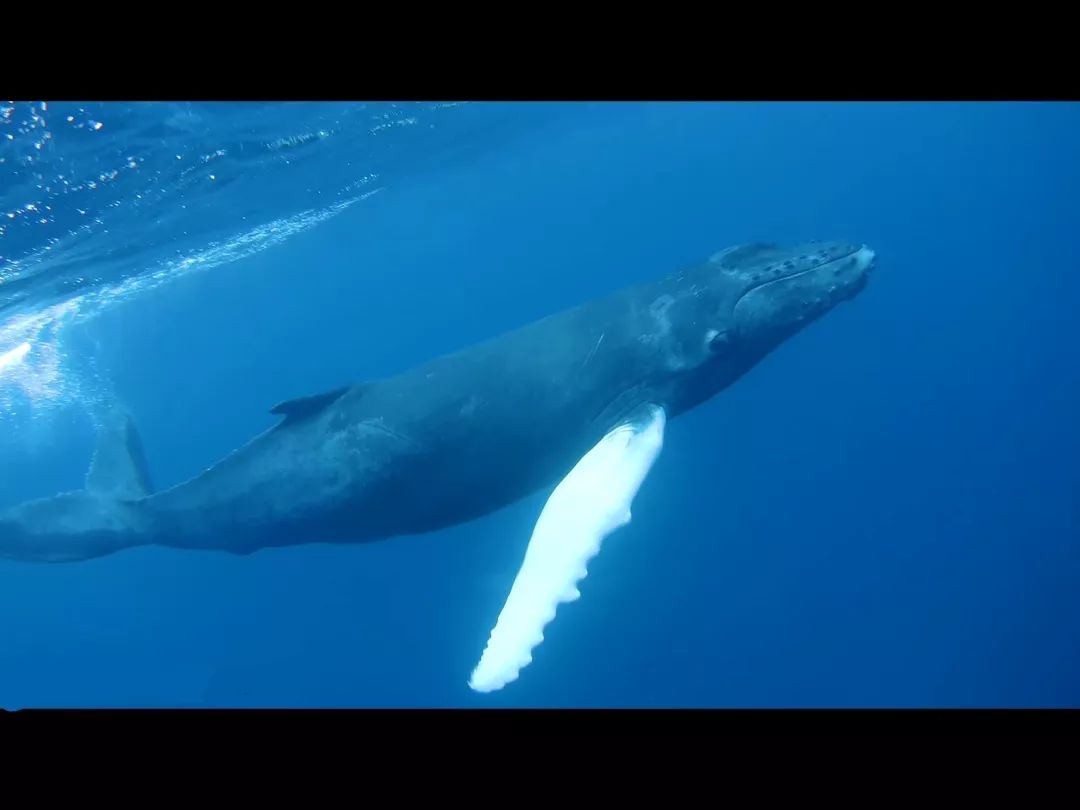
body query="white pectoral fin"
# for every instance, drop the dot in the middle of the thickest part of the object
(591, 502)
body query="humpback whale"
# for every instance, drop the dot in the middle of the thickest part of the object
(578, 402)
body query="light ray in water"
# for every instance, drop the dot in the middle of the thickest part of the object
(14, 356)
(44, 381)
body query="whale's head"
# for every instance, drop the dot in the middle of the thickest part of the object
(729, 312)
(768, 292)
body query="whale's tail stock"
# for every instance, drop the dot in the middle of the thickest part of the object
(102, 517)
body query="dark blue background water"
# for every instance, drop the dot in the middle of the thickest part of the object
(884, 512)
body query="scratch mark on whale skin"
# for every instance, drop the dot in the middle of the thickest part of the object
(594, 348)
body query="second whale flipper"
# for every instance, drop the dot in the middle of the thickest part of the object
(591, 502)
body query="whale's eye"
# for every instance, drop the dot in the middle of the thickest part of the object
(717, 339)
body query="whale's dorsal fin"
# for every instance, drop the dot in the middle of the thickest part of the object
(591, 502)
(303, 407)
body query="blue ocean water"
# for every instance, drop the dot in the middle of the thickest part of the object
(883, 513)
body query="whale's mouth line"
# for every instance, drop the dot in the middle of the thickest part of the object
(815, 269)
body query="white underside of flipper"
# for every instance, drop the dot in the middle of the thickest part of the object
(591, 502)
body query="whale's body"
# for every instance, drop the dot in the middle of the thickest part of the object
(465, 434)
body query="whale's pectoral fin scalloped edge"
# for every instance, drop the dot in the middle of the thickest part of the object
(301, 408)
(590, 503)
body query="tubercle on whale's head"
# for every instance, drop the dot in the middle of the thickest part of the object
(767, 292)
